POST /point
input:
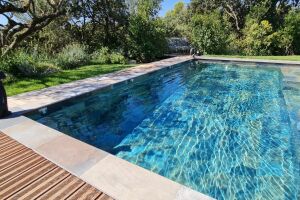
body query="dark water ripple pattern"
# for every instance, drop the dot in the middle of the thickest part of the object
(220, 129)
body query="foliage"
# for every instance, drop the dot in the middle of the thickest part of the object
(100, 23)
(117, 58)
(259, 38)
(133, 27)
(238, 10)
(175, 21)
(147, 8)
(72, 56)
(210, 33)
(52, 39)
(101, 56)
(251, 27)
(146, 40)
(289, 34)
(24, 18)
(104, 56)
(26, 65)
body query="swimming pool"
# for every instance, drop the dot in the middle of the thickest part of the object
(221, 129)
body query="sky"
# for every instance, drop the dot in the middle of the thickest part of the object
(169, 5)
(166, 6)
(2, 20)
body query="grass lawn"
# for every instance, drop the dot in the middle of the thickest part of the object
(21, 85)
(288, 58)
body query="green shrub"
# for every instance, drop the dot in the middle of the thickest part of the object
(16, 61)
(23, 64)
(39, 69)
(117, 58)
(101, 56)
(72, 56)
(210, 33)
(146, 38)
(289, 34)
(259, 38)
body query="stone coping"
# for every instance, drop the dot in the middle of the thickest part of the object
(114, 176)
(246, 60)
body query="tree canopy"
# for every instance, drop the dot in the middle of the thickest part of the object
(133, 27)
(128, 26)
(24, 18)
(251, 27)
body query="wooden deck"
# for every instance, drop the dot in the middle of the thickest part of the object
(26, 175)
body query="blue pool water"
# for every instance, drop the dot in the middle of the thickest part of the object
(221, 129)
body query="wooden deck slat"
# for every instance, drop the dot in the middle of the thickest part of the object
(20, 168)
(64, 189)
(10, 151)
(3, 136)
(13, 160)
(22, 155)
(5, 141)
(104, 197)
(16, 184)
(26, 175)
(42, 185)
(85, 192)
(10, 144)
(13, 154)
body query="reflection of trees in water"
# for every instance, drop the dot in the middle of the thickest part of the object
(118, 111)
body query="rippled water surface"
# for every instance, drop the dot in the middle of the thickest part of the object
(221, 129)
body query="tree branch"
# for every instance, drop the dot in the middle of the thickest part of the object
(15, 31)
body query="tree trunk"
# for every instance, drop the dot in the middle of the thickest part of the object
(3, 98)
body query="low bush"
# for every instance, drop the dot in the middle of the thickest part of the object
(14, 62)
(117, 58)
(72, 56)
(103, 56)
(23, 64)
(39, 69)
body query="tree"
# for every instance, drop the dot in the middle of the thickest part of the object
(259, 38)
(146, 39)
(147, 8)
(24, 18)
(100, 22)
(176, 21)
(237, 10)
(210, 33)
(289, 34)
(52, 39)
(146, 34)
